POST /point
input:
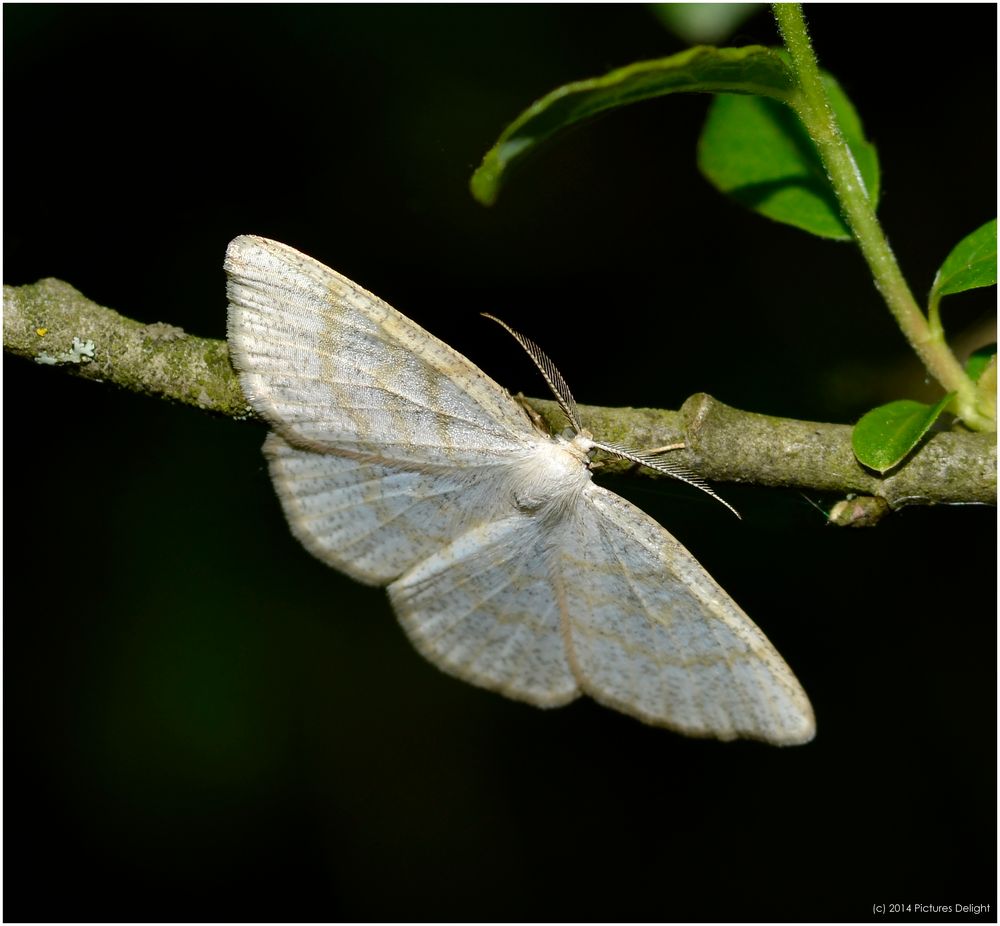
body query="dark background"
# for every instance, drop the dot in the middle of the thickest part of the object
(203, 722)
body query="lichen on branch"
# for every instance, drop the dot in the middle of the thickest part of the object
(52, 323)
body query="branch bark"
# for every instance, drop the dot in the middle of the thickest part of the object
(51, 323)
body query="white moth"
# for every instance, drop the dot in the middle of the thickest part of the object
(402, 464)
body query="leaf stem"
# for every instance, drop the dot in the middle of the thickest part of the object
(813, 107)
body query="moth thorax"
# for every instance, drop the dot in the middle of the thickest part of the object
(550, 477)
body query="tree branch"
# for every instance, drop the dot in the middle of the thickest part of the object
(51, 323)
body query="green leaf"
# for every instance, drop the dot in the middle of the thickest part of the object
(703, 22)
(972, 263)
(753, 69)
(884, 436)
(758, 152)
(979, 360)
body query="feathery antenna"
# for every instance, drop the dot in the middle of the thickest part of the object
(548, 369)
(654, 461)
(567, 403)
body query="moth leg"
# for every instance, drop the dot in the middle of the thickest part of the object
(680, 445)
(536, 419)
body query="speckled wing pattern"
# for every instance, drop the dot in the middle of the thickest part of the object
(484, 608)
(333, 368)
(654, 635)
(402, 464)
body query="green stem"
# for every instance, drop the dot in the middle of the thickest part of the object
(813, 107)
(934, 316)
